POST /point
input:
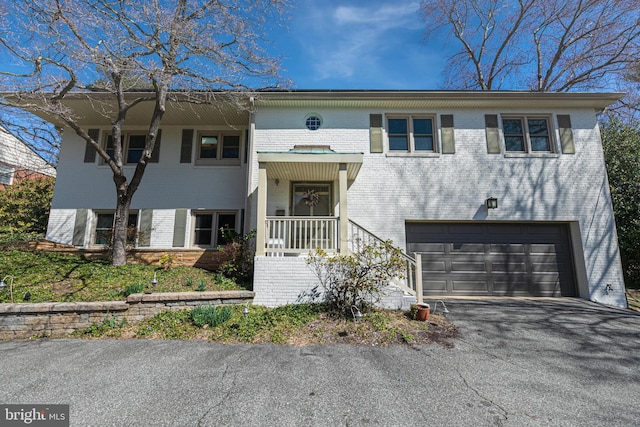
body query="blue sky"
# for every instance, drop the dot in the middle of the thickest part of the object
(358, 44)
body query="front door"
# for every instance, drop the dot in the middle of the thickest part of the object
(311, 199)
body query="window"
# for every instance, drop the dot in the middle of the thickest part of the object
(526, 134)
(132, 146)
(313, 122)
(411, 134)
(6, 174)
(218, 149)
(104, 228)
(208, 228)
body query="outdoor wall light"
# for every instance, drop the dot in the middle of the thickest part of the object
(492, 203)
(154, 281)
(3, 285)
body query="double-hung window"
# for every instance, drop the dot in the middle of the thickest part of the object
(527, 134)
(413, 134)
(211, 229)
(103, 230)
(216, 148)
(132, 144)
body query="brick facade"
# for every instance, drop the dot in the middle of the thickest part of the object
(390, 189)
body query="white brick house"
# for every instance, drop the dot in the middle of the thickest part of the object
(417, 167)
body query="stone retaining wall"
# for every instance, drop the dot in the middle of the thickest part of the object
(61, 318)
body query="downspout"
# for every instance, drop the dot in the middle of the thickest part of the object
(249, 157)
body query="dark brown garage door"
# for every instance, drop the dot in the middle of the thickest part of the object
(493, 258)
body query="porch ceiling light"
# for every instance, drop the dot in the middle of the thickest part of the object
(492, 203)
(3, 285)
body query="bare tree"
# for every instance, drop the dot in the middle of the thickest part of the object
(130, 52)
(539, 45)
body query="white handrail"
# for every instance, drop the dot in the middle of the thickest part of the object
(360, 236)
(298, 235)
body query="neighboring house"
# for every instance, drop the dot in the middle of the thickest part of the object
(335, 169)
(18, 162)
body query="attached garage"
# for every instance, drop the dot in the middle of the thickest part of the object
(487, 258)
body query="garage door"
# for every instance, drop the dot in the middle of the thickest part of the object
(510, 259)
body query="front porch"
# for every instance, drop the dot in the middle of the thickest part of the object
(289, 227)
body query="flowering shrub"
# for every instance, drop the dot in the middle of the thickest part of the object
(357, 279)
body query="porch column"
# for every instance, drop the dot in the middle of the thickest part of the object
(261, 228)
(344, 216)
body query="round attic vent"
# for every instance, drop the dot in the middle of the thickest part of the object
(313, 122)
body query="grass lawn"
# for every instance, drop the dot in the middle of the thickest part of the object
(51, 276)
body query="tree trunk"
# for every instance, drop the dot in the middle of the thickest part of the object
(120, 223)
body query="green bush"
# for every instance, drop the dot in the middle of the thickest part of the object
(136, 288)
(235, 259)
(357, 279)
(210, 315)
(24, 207)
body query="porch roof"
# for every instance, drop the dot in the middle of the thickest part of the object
(309, 165)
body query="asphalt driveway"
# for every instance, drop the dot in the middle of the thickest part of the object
(516, 362)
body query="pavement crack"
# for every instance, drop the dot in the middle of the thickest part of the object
(224, 398)
(482, 350)
(503, 412)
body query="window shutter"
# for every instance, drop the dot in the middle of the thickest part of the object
(566, 134)
(448, 141)
(155, 155)
(186, 147)
(89, 151)
(146, 222)
(179, 228)
(375, 133)
(493, 136)
(80, 227)
(246, 145)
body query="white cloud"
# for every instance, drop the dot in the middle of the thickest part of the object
(353, 39)
(385, 16)
(363, 44)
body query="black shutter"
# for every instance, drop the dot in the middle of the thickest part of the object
(187, 145)
(89, 150)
